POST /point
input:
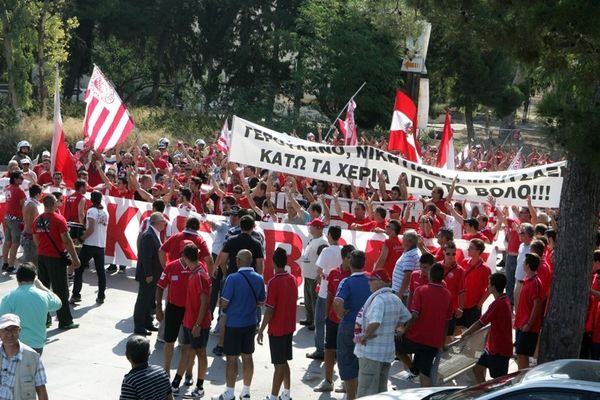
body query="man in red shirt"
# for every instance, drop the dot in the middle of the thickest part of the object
(13, 220)
(75, 210)
(173, 246)
(528, 318)
(280, 315)
(426, 331)
(52, 237)
(498, 346)
(454, 279)
(334, 278)
(420, 277)
(196, 321)
(471, 227)
(392, 248)
(359, 216)
(175, 276)
(477, 275)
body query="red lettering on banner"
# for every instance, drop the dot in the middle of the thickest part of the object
(372, 252)
(272, 237)
(116, 230)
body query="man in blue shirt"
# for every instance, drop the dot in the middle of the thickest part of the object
(349, 299)
(243, 292)
(31, 301)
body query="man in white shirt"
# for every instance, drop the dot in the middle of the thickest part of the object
(309, 269)
(330, 258)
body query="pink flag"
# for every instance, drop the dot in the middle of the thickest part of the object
(402, 131)
(107, 122)
(224, 141)
(61, 158)
(446, 152)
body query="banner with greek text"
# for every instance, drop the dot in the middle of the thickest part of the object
(255, 145)
(125, 216)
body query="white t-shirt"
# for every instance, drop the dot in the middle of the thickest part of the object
(98, 237)
(452, 223)
(520, 274)
(309, 257)
(329, 259)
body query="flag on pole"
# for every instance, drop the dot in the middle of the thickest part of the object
(446, 151)
(402, 131)
(348, 126)
(224, 141)
(107, 122)
(61, 158)
(517, 161)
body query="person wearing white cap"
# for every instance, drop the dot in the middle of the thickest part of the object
(28, 173)
(23, 374)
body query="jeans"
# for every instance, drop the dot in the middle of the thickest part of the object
(309, 299)
(320, 325)
(85, 255)
(30, 252)
(510, 269)
(52, 272)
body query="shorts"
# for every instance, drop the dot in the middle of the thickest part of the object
(424, 355)
(497, 364)
(239, 340)
(281, 348)
(347, 361)
(331, 330)
(12, 230)
(199, 342)
(451, 326)
(525, 343)
(173, 320)
(469, 317)
(76, 230)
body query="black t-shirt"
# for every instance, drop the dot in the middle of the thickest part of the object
(243, 241)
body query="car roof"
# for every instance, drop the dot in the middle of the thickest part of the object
(565, 371)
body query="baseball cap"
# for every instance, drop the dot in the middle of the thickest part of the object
(234, 210)
(45, 154)
(380, 274)
(317, 223)
(158, 187)
(25, 161)
(395, 209)
(9, 320)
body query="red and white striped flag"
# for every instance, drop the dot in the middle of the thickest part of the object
(107, 122)
(61, 158)
(224, 141)
(517, 161)
(403, 129)
(446, 152)
(348, 127)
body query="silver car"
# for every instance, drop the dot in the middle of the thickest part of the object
(556, 380)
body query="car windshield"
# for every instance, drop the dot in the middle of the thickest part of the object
(474, 392)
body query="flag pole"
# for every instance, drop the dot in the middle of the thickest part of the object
(338, 116)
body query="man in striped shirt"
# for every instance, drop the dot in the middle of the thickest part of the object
(144, 381)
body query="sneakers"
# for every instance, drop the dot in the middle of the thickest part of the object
(324, 386)
(122, 270)
(175, 384)
(223, 396)
(315, 355)
(340, 388)
(189, 380)
(197, 393)
(245, 396)
(75, 298)
(285, 397)
(218, 351)
(111, 268)
(100, 300)
(72, 325)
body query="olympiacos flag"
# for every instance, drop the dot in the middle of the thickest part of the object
(403, 129)
(107, 122)
(61, 158)
(446, 152)
(348, 127)
(224, 140)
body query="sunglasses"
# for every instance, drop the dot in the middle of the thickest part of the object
(450, 254)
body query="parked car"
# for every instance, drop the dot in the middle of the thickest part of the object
(556, 380)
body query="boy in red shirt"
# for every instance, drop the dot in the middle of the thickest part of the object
(13, 220)
(454, 279)
(498, 346)
(280, 315)
(477, 276)
(392, 248)
(420, 277)
(528, 318)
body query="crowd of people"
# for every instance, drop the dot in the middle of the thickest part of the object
(414, 300)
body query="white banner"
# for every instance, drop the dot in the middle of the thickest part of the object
(261, 147)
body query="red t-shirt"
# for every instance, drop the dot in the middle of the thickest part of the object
(454, 278)
(175, 244)
(175, 276)
(441, 204)
(282, 295)
(50, 224)
(476, 281)
(531, 290)
(350, 219)
(14, 196)
(198, 283)
(72, 207)
(416, 279)
(513, 236)
(433, 302)
(395, 250)
(476, 235)
(334, 278)
(126, 194)
(371, 225)
(161, 163)
(487, 232)
(499, 315)
(44, 178)
(545, 275)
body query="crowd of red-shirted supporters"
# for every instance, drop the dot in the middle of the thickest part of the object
(416, 298)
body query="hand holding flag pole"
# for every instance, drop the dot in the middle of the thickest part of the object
(343, 109)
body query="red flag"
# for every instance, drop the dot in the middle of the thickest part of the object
(349, 126)
(61, 158)
(404, 123)
(224, 140)
(446, 152)
(107, 122)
